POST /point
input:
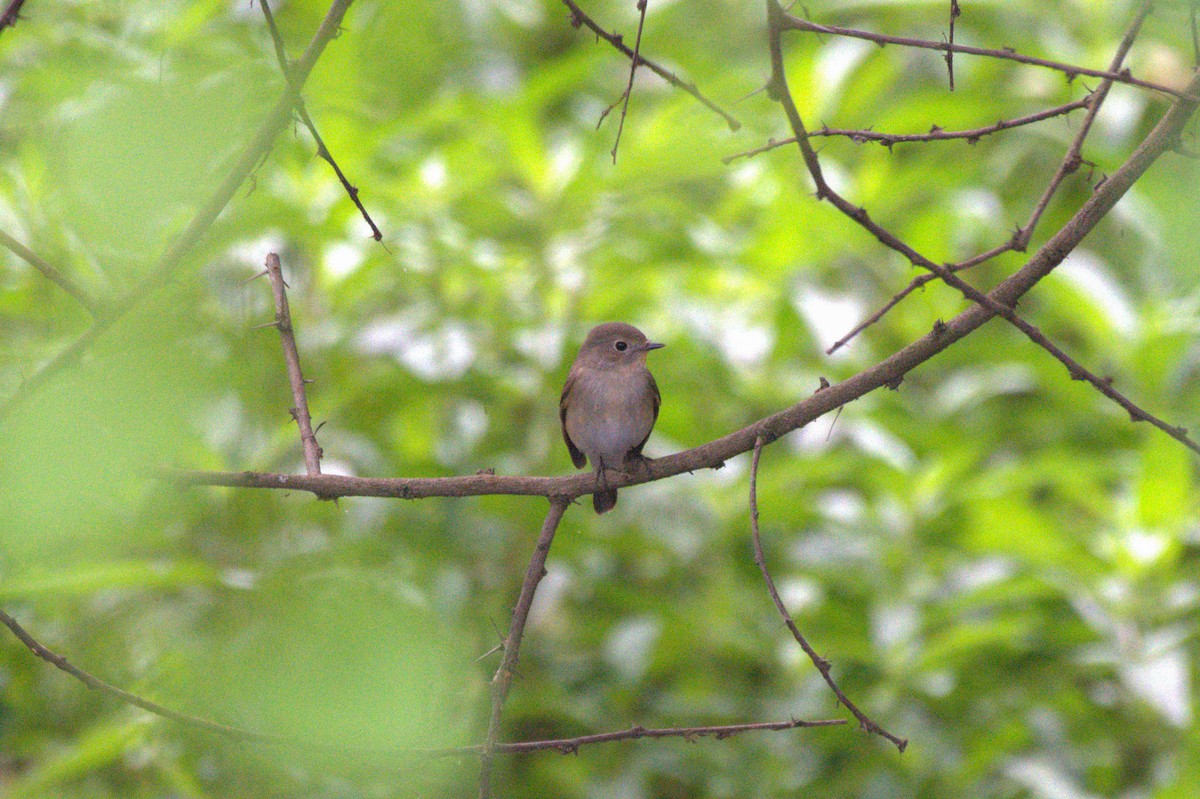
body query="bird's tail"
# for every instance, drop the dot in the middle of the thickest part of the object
(604, 501)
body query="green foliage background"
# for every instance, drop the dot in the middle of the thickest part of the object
(1000, 565)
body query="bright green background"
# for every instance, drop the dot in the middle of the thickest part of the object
(1001, 567)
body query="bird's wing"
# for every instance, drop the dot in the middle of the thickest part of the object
(657, 402)
(577, 457)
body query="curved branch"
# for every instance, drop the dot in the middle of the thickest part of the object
(821, 663)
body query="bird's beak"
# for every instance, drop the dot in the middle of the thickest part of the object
(652, 345)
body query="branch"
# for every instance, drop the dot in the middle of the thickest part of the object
(283, 321)
(821, 663)
(162, 271)
(579, 17)
(1069, 164)
(563, 745)
(97, 684)
(302, 110)
(1048, 257)
(502, 680)
(789, 22)
(49, 272)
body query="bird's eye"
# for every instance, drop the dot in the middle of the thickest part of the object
(621, 346)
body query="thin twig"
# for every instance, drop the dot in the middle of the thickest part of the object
(502, 680)
(163, 270)
(936, 134)
(1070, 70)
(914, 284)
(633, 65)
(579, 17)
(50, 273)
(570, 746)
(291, 355)
(302, 110)
(821, 663)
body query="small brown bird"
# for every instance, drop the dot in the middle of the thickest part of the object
(609, 404)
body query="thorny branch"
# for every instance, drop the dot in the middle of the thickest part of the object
(954, 13)
(1046, 259)
(11, 14)
(936, 134)
(291, 355)
(1019, 241)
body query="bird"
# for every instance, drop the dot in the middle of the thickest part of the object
(609, 404)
